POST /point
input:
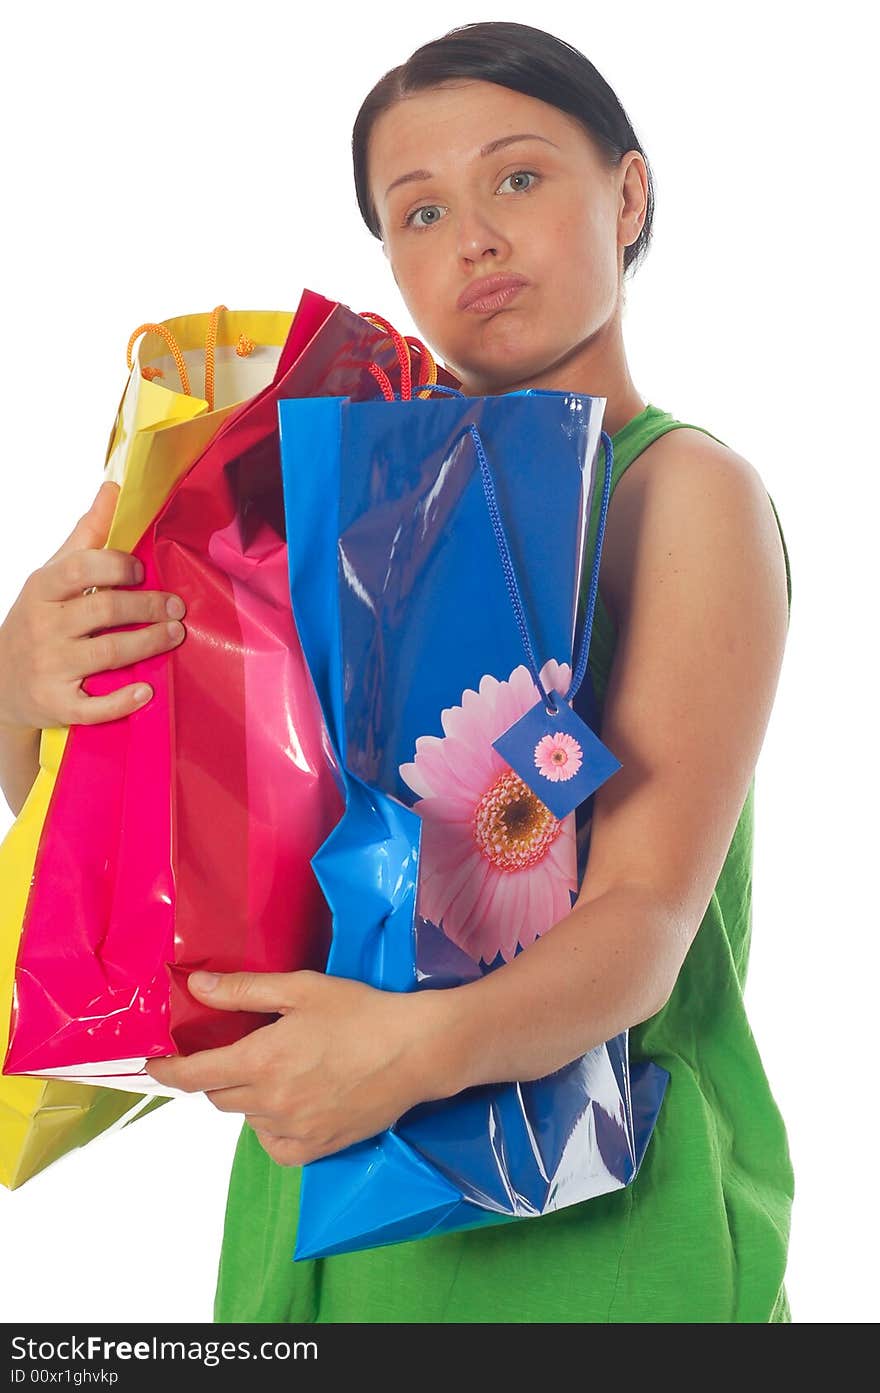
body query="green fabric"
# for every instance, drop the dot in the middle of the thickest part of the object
(701, 1235)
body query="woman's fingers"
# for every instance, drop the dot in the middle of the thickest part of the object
(66, 576)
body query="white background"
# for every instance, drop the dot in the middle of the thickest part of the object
(161, 158)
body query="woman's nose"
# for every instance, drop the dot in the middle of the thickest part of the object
(477, 237)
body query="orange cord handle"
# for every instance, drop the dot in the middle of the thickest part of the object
(427, 368)
(243, 348)
(404, 346)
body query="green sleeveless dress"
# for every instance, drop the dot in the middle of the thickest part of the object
(701, 1235)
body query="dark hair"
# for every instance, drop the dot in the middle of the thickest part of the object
(520, 57)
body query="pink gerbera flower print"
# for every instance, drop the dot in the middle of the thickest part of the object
(558, 757)
(497, 868)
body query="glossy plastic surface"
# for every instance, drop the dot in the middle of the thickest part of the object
(441, 868)
(41, 1120)
(181, 837)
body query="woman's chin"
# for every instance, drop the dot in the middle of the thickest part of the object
(496, 366)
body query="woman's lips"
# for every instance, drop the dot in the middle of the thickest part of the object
(497, 300)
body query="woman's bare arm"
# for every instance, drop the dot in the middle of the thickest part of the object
(19, 763)
(19, 745)
(696, 576)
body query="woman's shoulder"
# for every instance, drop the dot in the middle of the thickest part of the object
(691, 477)
(686, 455)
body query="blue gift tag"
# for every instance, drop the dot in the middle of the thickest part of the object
(557, 756)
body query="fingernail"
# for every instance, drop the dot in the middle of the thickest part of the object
(204, 981)
(175, 630)
(174, 606)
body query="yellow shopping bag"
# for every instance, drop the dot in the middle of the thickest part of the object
(161, 428)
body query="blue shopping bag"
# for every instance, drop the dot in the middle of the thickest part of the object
(445, 863)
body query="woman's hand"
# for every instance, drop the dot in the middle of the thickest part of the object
(54, 635)
(343, 1062)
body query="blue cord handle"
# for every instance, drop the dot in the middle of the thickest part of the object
(510, 573)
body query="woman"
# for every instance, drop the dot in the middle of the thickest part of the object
(499, 150)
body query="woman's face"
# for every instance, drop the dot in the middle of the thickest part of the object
(546, 209)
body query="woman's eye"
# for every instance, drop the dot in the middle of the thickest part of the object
(409, 220)
(518, 174)
(426, 208)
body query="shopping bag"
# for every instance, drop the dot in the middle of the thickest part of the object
(209, 802)
(445, 864)
(157, 433)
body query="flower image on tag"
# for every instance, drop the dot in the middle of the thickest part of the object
(557, 756)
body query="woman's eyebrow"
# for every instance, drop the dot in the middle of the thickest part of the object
(486, 150)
